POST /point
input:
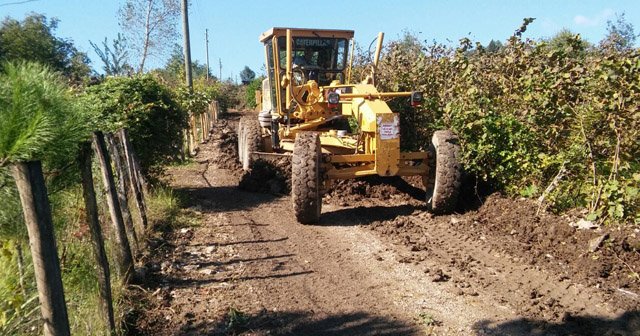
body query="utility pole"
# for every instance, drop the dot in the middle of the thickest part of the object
(220, 61)
(206, 38)
(187, 44)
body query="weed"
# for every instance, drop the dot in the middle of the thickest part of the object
(428, 320)
(236, 319)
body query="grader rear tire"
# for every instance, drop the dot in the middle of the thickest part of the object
(305, 178)
(446, 173)
(251, 142)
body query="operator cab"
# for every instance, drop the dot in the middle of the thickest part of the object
(318, 59)
(316, 54)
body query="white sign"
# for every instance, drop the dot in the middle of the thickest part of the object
(389, 130)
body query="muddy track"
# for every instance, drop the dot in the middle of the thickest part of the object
(377, 264)
(478, 267)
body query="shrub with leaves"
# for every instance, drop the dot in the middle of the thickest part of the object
(250, 92)
(147, 109)
(528, 113)
(194, 101)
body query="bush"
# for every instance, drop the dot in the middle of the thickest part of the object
(250, 92)
(147, 109)
(527, 112)
(194, 101)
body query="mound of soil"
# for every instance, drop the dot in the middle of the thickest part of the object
(395, 190)
(602, 262)
(606, 257)
(225, 141)
(268, 176)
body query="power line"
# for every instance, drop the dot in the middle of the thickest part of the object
(17, 3)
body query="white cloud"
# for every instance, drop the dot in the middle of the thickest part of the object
(596, 20)
(582, 20)
(549, 26)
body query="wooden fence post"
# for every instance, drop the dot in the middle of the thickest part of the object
(203, 128)
(37, 216)
(121, 190)
(209, 118)
(134, 163)
(124, 256)
(184, 153)
(134, 182)
(206, 121)
(91, 210)
(194, 135)
(215, 111)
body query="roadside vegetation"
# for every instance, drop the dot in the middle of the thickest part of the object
(557, 119)
(51, 103)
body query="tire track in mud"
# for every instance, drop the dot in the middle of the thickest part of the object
(477, 268)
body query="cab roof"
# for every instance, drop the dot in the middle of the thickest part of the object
(306, 32)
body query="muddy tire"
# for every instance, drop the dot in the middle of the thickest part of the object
(251, 141)
(305, 178)
(445, 178)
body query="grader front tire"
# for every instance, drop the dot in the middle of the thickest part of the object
(251, 142)
(305, 178)
(445, 173)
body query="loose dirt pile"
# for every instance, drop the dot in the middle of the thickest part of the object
(268, 176)
(523, 258)
(225, 142)
(360, 191)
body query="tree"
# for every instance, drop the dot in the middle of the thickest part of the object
(620, 35)
(569, 43)
(494, 46)
(247, 75)
(115, 57)
(38, 120)
(33, 40)
(250, 93)
(149, 25)
(173, 70)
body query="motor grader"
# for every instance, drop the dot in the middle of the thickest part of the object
(308, 99)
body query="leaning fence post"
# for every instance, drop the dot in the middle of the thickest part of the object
(121, 190)
(124, 256)
(134, 163)
(134, 183)
(91, 211)
(37, 216)
(194, 135)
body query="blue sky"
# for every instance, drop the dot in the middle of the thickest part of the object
(234, 25)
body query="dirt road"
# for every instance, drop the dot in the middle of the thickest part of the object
(375, 265)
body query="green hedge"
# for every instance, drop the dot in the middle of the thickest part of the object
(149, 111)
(528, 111)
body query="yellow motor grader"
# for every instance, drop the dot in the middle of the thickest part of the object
(308, 99)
